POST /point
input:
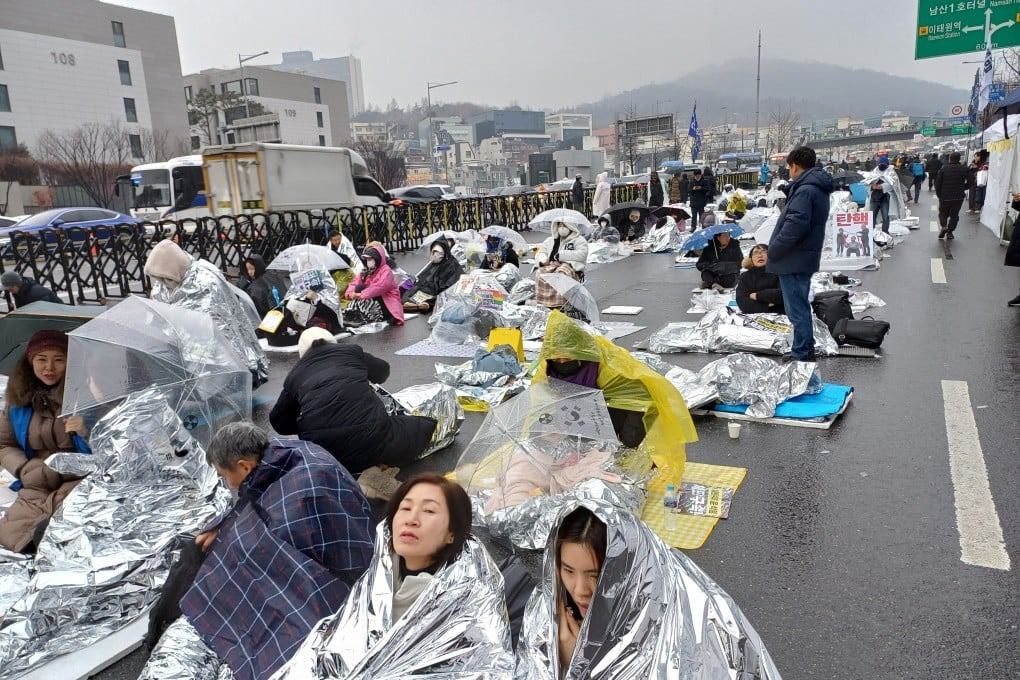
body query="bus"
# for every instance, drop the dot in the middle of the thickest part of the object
(171, 190)
(739, 161)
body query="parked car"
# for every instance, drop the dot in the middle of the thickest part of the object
(10, 221)
(416, 194)
(512, 191)
(100, 220)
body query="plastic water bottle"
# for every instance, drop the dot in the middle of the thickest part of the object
(670, 504)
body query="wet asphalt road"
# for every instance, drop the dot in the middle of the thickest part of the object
(842, 546)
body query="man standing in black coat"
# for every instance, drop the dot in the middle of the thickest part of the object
(932, 167)
(701, 194)
(328, 399)
(25, 290)
(577, 194)
(951, 189)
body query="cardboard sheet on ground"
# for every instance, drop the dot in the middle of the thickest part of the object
(688, 532)
(623, 309)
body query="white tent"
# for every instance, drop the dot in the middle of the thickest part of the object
(1003, 171)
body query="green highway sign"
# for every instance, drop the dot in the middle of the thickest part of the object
(962, 129)
(928, 130)
(945, 28)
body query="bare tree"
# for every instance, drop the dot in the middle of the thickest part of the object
(16, 165)
(681, 141)
(383, 161)
(783, 124)
(90, 156)
(206, 106)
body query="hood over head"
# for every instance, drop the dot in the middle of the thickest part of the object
(574, 233)
(258, 262)
(602, 177)
(168, 262)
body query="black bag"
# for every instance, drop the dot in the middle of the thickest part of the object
(865, 332)
(832, 306)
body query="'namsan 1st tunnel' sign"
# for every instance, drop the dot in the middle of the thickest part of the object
(945, 28)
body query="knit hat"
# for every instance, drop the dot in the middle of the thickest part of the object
(168, 262)
(10, 279)
(310, 335)
(44, 340)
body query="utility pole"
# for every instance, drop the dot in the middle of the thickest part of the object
(757, 95)
(432, 151)
(240, 63)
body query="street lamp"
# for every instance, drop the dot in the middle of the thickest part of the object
(241, 58)
(428, 95)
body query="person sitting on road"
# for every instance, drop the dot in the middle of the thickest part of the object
(25, 290)
(719, 263)
(440, 273)
(30, 430)
(180, 280)
(498, 252)
(328, 399)
(286, 555)
(736, 208)
(631, 226)
(265, 287)
(565, 247)
(757, 290)
(580, 553)
(373, 293)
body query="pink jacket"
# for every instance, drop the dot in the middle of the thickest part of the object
(378, 283)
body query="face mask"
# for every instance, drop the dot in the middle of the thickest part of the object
(437, 256)
(567, 368)
(370, 264)
(563, 231)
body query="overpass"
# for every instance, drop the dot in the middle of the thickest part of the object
(875, 138)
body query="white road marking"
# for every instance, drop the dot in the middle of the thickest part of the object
(938, 272)
(981, 540)
(934, 207)
(934, 226)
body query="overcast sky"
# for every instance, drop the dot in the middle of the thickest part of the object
(547, 54)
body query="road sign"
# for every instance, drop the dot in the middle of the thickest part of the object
(442, 147)
(962, 129)
(928, 130)
(996, 92)
(957, 110)
(945, 28)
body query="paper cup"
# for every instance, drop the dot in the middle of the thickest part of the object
(734, 428)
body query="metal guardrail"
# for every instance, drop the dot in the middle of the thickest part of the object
(96, 264)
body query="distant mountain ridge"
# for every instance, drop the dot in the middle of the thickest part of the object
(814, 90)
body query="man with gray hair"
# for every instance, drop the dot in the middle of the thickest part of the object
(285, 556)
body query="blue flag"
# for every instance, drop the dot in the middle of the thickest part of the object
(695, 132)
(972, 108)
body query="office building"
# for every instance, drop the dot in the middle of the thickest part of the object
(64, 63)
(497, 122)
(293, 108)
(347, 69)
(563, 127)
(454, 126)
(370, 132)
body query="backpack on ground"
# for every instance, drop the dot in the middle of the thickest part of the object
(832, 305)
(866, 332)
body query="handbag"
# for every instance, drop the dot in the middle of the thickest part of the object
(866, 332)
(831, 306)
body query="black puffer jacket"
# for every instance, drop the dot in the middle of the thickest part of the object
(436, 278)
(260, 289)
(327, 399)
(766, 286)
(715, 255)
(30, 291)
(952, 182)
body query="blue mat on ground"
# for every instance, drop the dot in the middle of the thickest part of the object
(826, 403)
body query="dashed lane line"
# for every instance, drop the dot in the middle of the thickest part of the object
(981, 540)
(938, 271)
(934, 226)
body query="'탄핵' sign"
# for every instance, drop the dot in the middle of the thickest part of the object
(945, 28)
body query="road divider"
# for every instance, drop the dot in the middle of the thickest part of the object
(981, 540)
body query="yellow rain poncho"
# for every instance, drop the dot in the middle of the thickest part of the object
(628, 384)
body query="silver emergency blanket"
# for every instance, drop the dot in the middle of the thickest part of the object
(695, 392)
(107, 550)
(725, 331)
(604, 252)
(664, 239)
(438, 401)
(181, 654)
(522, 291)
(760, 383)
(531, 319)
(508, 276)
(897, 198)
(554, 442)
(469, 309)
(655, 615)
(706, 300)
(457, 629)
(204, 289)
(325, 292)
(481, 389)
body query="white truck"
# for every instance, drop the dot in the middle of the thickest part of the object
(257, 177)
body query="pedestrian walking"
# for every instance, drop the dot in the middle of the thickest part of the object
(655, 193)
(951, 189)
(763, 174)
(972, 170)
(603, 194)
(795, 249)
(685, 188)
(982, 185)
(674, 189)
(577, 194)
(917, 170)
(932, 168)
(879, 200)
(701, 194)
(25, 290)
(1013, 251)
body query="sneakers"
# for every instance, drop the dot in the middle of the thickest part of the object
(950, 236)
(1015, 302)
(943, 232)
(788, 357)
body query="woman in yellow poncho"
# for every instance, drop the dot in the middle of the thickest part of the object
(646, 409)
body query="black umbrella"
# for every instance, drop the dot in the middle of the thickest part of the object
(675, 211)
(18, 327)
(614, 210)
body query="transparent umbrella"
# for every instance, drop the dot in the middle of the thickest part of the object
(140, 344)
(544, 220)
(466, 236)
(509, 235)
(308, 256)
(576, 295)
